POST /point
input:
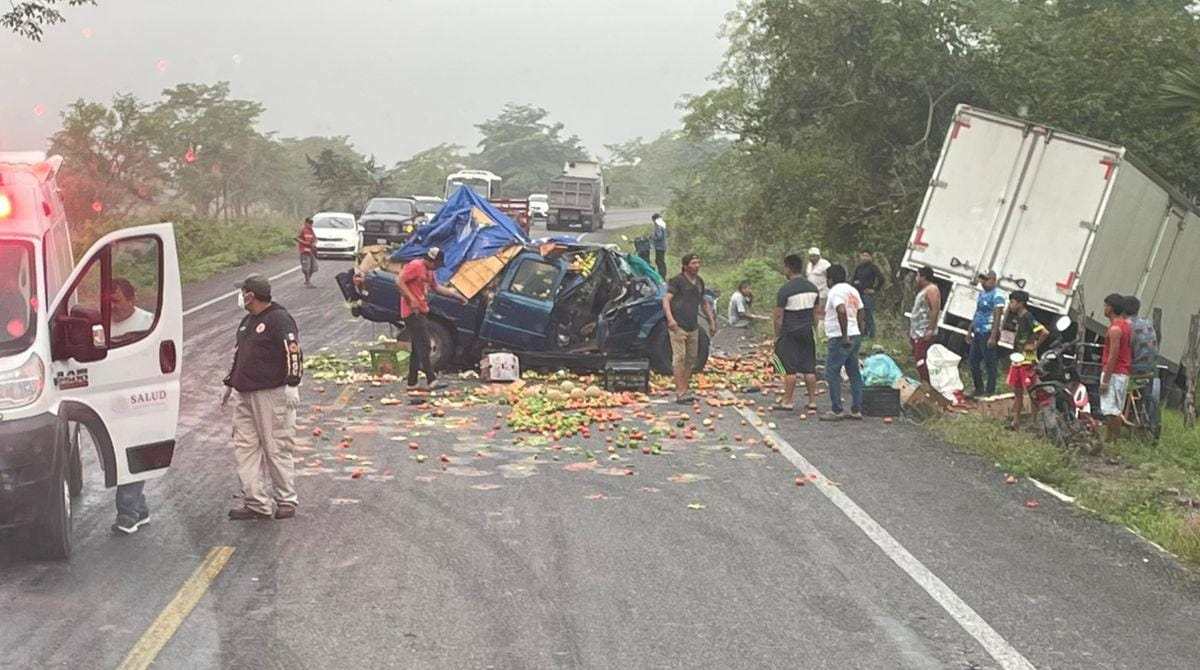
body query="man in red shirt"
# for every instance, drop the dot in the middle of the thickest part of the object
(306, 243)
(414, 281)
(1117, 361)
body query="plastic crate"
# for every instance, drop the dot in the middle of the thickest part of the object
(390, 359)
(881, 401)
(627, 376)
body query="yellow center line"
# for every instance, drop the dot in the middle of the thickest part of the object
(176, 611)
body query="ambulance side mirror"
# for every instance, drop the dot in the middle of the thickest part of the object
(80, 336)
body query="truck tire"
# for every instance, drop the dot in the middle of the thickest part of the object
(75, 463)
(658, 349)
(441, 353)
(51, 537)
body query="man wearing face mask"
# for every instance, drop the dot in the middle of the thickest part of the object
(267, 365)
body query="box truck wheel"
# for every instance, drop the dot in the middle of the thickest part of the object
(52, 534)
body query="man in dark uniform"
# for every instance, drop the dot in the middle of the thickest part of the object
(267, 365)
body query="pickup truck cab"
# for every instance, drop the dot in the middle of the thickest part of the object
(85, 347)
(584, 300)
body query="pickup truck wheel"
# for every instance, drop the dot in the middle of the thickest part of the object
(702, 353)
(52, 535)
(75, 463)
(441, 346)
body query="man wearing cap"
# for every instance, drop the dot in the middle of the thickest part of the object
(414, 281)
(267, 365)
(984, 334)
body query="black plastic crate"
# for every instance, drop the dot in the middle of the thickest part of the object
(627, 376)
(881, 401)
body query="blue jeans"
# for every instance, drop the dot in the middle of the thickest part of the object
(868, 315)
(982, 353)
(131, 503)
(840, 356)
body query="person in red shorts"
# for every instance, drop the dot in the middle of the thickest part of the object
(1029, 337)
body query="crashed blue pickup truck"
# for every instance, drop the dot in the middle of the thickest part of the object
(561, 299)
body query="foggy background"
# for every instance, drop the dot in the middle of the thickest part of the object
(397, 76)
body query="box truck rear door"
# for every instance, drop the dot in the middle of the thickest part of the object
(970, 193)
(1058, 206)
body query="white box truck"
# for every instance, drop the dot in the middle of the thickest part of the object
(1058, 215)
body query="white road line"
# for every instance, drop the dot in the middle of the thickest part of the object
(1052, 491)
(995, 645)
(209, 303)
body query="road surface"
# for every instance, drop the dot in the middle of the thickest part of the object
(898, 552)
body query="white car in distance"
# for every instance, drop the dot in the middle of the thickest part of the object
(337, 235)
(539, 206)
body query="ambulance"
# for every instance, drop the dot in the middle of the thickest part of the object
(88, 346)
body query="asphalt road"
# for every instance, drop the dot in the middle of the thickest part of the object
(900, 553)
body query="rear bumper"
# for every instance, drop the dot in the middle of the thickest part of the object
(26, 464)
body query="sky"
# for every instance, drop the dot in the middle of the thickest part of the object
(397, 76)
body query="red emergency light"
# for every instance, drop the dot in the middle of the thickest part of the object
(6, 206)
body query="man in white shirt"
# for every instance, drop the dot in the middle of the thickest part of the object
(739, 305)
(128, 320)
(817, 271)
(843, 326)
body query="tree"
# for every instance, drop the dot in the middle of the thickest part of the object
(641, 173)
(110, 158)
(211, 146)
(28, 18)
(425, 173)
(346, 182)
(838, 108)
(525, 149)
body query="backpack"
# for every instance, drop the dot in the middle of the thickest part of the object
(1144, 342)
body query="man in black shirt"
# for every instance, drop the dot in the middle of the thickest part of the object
(867, 279)
(795, 348)
(682, 304)
(267, 365)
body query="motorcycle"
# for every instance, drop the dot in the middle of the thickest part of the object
(1063, 405)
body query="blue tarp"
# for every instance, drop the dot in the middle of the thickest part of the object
(467, 227)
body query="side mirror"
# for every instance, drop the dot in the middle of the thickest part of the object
(1062, 323)
(80, 336)
(1016, 357)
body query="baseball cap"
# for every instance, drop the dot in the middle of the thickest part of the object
(256, 284)
(986, 274)
(814, 251)
(436, 255)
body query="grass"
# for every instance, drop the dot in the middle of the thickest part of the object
(1133, 484)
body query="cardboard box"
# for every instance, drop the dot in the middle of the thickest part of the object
(499, 367)
(921, 399)
(994, 407)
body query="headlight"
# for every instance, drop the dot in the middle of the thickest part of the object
(24, 385)
(408, 228)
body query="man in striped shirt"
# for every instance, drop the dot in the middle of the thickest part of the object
(795, 348)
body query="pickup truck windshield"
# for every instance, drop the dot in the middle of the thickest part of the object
(390, 206)
(18, 297)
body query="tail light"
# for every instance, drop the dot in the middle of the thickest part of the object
(6, 206)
